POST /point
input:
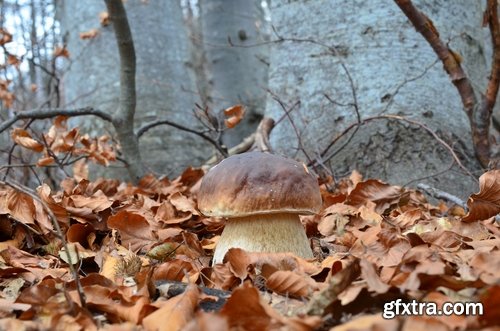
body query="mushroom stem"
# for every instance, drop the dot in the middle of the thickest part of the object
(269, 233)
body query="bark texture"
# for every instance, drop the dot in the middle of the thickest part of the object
(392, 69)
(236, 75)
(165, 83)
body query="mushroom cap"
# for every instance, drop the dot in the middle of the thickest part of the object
(258, 183)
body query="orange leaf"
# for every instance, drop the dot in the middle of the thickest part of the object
(183, 203)
(173, 270)
(5, 37)
(21, 207)
(61, 51)
(372, 278)
(486, 203)
(23, 138)
(290, 283)
(104, 18)
(44, 161)
(97, 202)
(382, 194)
(244, 310)
(91, 34)
(234, 115)
(175, 313)
(134, 230)
(81, 170)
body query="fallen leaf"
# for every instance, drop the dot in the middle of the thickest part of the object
(382, 194)
(368, 323)
(175, 313)
(134, 229)
(289, 283)
(486, 203)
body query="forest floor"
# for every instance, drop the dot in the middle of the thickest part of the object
(143, 258)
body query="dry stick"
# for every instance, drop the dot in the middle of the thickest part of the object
(59, 234)
(479, 115)
(438, 194)
(262, 133)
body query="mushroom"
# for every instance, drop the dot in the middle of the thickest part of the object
(262, 196)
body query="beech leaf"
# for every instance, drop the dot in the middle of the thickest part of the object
(485, 203)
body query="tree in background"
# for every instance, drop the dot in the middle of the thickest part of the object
(352, 84)
(359, 88)
(235, 75)
(165, 81)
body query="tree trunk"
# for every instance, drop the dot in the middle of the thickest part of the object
(165, 83)
(367, 53)
(236, 75)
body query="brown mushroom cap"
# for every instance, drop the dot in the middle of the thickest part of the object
(258, 183)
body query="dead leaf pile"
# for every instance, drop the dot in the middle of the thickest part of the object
(373, 243)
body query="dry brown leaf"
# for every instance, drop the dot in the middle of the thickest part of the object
(491, 302)
(61, 51)
(234, 115)
(81, 170)
(372, 278)
(104, 18)
(243, 310)
(134, 229)
(177, 270)
(97, 202)
(5, 37)
(175, 313)
(382, 194)
(21, 206)
(368, 323)
(91, 34)
(292, 284)
(23, 138)
(207, 322)
(486, 203)
(182, 203)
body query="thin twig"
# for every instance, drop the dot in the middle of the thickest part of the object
(149, 126)
(438, 194)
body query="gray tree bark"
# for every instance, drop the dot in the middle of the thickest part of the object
(236, 75)
(164, 80)
(393, 71)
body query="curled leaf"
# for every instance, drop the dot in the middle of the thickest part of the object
(486, 203)
(23, 138)
(234, 115)
(290, 283)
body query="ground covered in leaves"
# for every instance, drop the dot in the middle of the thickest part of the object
(143, 256)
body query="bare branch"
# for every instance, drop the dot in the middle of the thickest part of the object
(262, 133)
(482, 117)
(479, 115)
(149, 126)
(51, 113)
(450, 62)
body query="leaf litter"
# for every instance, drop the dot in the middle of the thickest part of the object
(373, 243)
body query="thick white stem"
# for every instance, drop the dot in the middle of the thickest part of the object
(270, 233)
